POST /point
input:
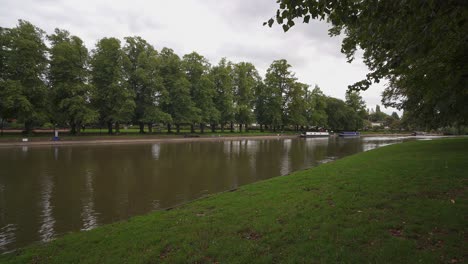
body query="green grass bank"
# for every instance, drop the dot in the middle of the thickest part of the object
(404, 203)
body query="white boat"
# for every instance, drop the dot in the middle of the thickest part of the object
(315, 134)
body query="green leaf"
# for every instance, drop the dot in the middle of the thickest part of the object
(306, 19)
(270, 22)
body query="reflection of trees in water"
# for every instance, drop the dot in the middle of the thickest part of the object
(88, 215)
(46, 230)
(285, 159)
(7, 230)
(155, 151)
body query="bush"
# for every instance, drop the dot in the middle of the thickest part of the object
(47, 125)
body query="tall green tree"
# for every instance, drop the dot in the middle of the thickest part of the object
(113, 98)
(296, 106)
(180, 105)
(68, 80)
(261, 96)
(316, 104)
(224, 98)
(246, 78)
(377, 116)
(280, 82)
(23, 92)
(202, 88)
(143, 75)
(419, 47)
(341, 116)
(354, 101)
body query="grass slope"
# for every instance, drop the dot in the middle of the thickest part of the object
(403, 203)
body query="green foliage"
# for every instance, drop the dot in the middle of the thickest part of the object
(418, 46)
(202, 88)
(280, 81)
(180, 105)
(143, 73)
(245, 79)
(377, 116)
(355, 102)
(341, 116)
(135, 83)
(113, 99)
(296, 105)
(68, 80)
(23, 92)
(222, 75)
(316, 105)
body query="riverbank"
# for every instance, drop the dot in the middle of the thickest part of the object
(136, 140)
(155, 138)
(402, 203)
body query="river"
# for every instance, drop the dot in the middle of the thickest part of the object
(51, 190)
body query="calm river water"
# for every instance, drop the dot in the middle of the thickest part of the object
(49, 191)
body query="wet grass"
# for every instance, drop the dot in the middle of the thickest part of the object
(404, 203)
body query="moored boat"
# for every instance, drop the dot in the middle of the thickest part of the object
(349, 134)
(314, 134)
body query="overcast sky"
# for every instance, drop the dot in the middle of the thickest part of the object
(214, 28)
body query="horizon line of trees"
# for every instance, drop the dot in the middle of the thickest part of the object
(114, 84)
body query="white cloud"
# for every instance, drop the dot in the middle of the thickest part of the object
(213, 28)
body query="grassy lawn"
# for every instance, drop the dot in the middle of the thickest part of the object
(403, 203)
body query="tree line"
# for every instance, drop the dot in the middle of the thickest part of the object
(54, 78)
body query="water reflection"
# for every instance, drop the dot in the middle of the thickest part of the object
(88, 215)
(48, 191)
(155, 150)
(46, 231)
(286, 159)
(7, 236)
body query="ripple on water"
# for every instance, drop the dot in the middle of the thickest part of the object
(7, 236)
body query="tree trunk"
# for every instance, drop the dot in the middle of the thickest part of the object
(202, 128)
(78, 128)
(109, 127)
(169, 128)
(177, 128)
(1, 133)
(261, 128)
(73, 128)
(240, 128)
(150, 127)
(28, 127)
(246, 127)
(232, 127)
(222, 127)
(192, 129)
(142, 127)
(117, 127)
(213, 128)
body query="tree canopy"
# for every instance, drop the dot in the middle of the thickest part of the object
(54, 79)
(419, 47)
